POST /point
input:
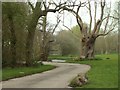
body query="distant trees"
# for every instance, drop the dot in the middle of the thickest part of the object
(69, 46)
(107, 44)
(68, 42)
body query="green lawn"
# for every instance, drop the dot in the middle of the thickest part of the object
(103, 73)
(58, 57)
(9, 73)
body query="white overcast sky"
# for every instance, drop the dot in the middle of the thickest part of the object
(69, 19)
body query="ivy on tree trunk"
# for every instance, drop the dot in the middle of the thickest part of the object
(12, 42)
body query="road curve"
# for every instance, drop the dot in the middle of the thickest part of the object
(59, 77)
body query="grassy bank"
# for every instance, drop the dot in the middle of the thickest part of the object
(9, 73)
(103, 73)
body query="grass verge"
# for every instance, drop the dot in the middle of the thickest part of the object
(9, 73)
(103, 73)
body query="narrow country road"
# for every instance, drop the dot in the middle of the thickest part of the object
(59, 77)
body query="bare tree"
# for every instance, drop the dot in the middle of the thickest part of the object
(89, 35)
(40, 9)
(47, 34)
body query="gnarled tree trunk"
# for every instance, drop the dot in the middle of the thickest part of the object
(87, 47)
(44, 56)
(45, 51)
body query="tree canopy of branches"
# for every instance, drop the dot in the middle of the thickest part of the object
(89, 34)
(27, 34)
(40, 9)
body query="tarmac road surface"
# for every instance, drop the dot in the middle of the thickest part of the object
(59, 77)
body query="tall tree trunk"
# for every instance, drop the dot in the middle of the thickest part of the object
(44, 55)
(87, 47)
(45, 51)
(30, 38)
(12, 43)
(29, 48)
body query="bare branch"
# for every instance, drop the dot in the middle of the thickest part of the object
(95, 12)
(79, 20)
(96, 26)
(55, 26)
(107, 20)
(67, 27)
(30, 4)
(99, 22)
(63, 6)
(57, 8)
(90, 17)
(60, 5)
(40, 23)
(38, 5)
(44, 3)
(71, 31)
(110, 17)
(102, 9)
(104, 34)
